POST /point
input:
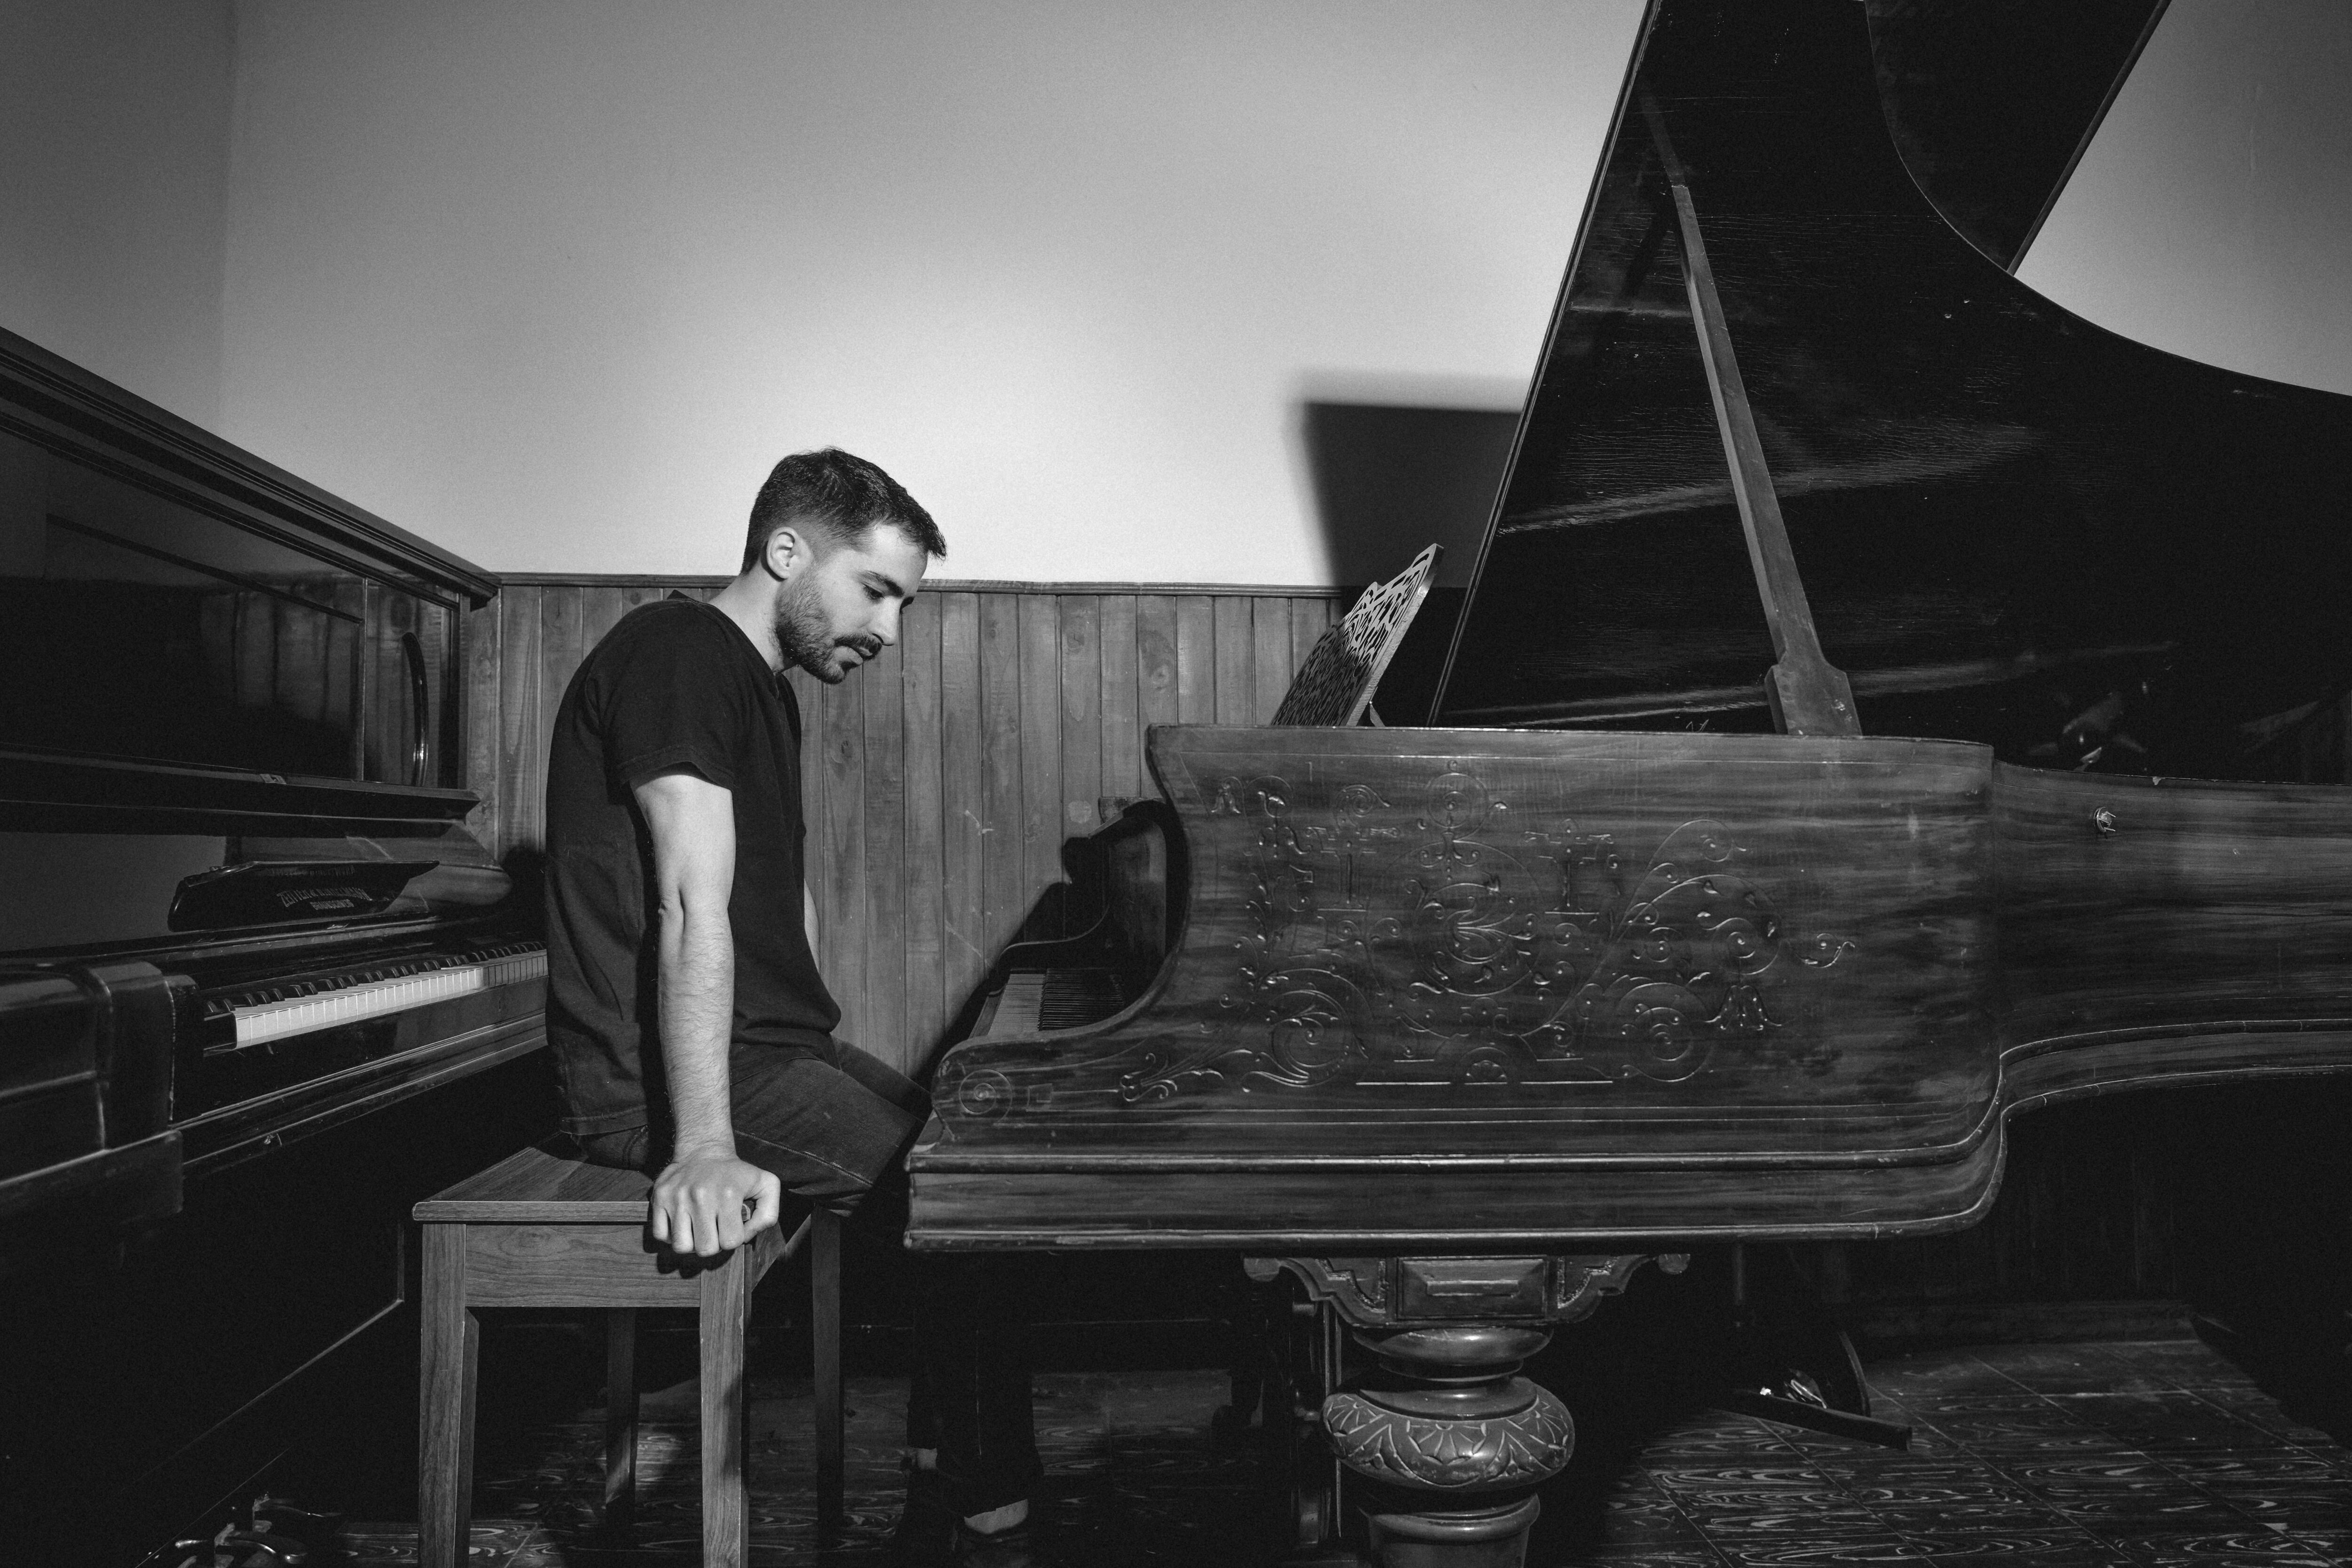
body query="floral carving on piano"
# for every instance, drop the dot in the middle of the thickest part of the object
(1453, 941)
(1434, 1453)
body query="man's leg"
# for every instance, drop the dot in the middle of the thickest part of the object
(835, 1130)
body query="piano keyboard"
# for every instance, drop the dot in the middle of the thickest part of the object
(1034, 1001)
(369, 994)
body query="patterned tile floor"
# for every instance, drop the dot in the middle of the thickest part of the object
(2133, 1454)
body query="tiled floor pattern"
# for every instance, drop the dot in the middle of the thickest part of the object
(2134, 1454)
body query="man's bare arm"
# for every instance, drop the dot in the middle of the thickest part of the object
(698, 1200)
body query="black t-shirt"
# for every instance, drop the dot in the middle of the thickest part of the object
(676, 685)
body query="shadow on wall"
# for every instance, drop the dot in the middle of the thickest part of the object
(1389, 479)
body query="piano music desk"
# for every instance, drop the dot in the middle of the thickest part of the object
(535, 1230)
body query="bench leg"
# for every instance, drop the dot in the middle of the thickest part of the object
(450, 1346)
(726, 1309)
(825, 1323)
(620, 1416)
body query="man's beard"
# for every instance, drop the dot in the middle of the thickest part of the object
(805, 638)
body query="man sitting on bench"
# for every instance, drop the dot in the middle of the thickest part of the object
(693, 1035)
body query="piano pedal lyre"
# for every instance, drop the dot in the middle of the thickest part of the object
(1801, 1369)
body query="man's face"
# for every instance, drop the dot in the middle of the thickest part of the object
(840, 608)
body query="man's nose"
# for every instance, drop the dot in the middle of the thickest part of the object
(887, 626)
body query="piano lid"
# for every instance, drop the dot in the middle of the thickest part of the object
(2014, 526)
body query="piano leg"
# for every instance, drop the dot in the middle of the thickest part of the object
(1450, 1445)
(1446, 1443)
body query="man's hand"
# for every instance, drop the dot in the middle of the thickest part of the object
(699, 1203)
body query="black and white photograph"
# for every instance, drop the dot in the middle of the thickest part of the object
(1175, 783)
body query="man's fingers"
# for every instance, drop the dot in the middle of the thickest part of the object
(767, 1202)
(714, 1208)
(727, 1215)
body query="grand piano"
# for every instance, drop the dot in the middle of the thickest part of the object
(1862, 727)
(259, 986)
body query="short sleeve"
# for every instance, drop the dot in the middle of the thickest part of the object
(675, 699)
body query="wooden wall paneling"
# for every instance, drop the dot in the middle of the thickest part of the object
(1155, 673)
(1122, 734)
(1039, 672)
(883, 865)
(1196, 659)
(1005, 867)
(601, 609)
(963, 805)
(836, 853)
(1082, 706)
(1237, 636)
(922, 876)
(1270, 664)
(521, 760)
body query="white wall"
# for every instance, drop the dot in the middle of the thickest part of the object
(113, 189)
(2211, 215)
(553, 281)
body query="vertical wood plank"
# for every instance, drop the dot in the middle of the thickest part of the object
(1236, 637)
(1196, 659)
(523, 789)
(1081, 679)
(824, 1359)
(1041, 761)
(725, 1516)
(1122, 745)
(1155, 675)
(1308, 619)
(925, 873)
(1269, 657)
(560, 652)
(1003, 868)
(884, 864)
(840, 849)
(449, 1340)
(808, 694)
(482, 776)
(963, 897)
(599, 608)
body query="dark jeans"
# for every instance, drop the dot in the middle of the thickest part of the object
(834, 1128)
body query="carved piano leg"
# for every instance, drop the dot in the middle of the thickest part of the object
(1452, 1443)
(1446, 1442)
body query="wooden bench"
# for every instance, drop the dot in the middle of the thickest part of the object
(536, 1230)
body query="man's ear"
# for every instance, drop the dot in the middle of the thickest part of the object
(787, 552)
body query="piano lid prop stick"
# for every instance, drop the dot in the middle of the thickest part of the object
(1810, 696)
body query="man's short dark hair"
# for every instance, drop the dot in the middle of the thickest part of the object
(832, 493)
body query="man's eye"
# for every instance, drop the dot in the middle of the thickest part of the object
(875, 595)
